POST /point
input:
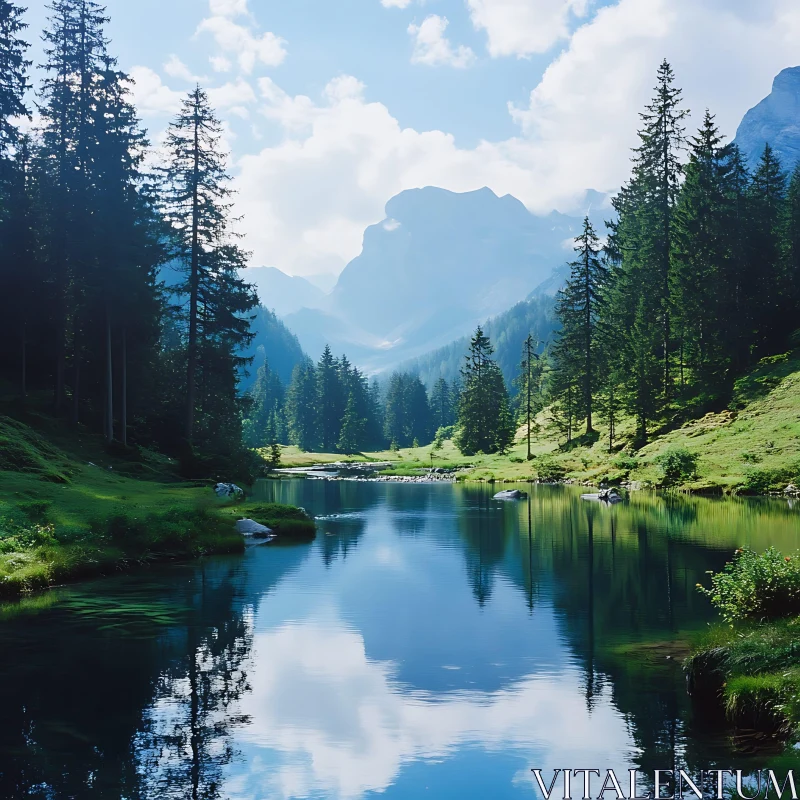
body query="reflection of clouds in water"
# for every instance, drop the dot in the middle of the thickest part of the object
(343, 726)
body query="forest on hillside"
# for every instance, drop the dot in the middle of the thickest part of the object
(88, 216)
(699, 280)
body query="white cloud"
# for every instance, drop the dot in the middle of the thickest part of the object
(351, 728)
(240, 41)
(175, 68)
(396, 3)
(228, 8)
(220, 64)
(307, 198)
(433, 48)
(151, 95)
(523, 27)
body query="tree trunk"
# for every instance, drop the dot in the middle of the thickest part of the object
(123, 422)
(76, 390)
(24, 365)
(194, 278)
(109, 382)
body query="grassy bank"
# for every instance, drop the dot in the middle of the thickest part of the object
(752, 447)
(71, 509)
(750, 668)
(751, 673)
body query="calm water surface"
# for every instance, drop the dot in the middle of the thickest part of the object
(431, 642)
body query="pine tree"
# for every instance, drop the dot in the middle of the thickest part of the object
(75, 50)
(529, 383)
(485, 423)
(198, 206)
(441, 403)
(353, 428)
(13, 76)
(701, 250)
(578, 308)
(301, 407)
(330, 401)
(657, 169)
(792, 247)
(766, 207)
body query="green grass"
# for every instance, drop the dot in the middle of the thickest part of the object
(71, 509)
(751, 448)
(753, 673)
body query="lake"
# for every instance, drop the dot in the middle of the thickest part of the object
(431, 642)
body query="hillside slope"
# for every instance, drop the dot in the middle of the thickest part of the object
(753, 447)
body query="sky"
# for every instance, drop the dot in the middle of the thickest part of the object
(332, 107)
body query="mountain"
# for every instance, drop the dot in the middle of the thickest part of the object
(281, 292)
(439, 263)
(776, 119)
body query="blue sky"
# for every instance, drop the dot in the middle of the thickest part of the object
(332, 107)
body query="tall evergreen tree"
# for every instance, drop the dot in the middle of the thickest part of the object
(331, 401)
(701, 251)
(75, 51)
(766, 207)
(13, 75)
(198, 207)
(353, 427)
(485, 423)
(578, 308)
(657, 170)
(301, 406)
(441, 403)
(529, 385)
(408, 415)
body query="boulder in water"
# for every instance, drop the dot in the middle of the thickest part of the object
(605, 496)
(227, 490)
(249, 527)
(511, 494)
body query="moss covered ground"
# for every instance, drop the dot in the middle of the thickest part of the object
(70, 508)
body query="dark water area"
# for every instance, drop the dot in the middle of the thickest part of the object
(432, 642)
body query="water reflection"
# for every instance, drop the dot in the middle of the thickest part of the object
(431, 640)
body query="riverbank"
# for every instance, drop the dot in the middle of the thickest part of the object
(71, 510)
(750, 674)
(752, 447)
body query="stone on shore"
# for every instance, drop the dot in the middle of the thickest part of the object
(249, 527)
(228, 490)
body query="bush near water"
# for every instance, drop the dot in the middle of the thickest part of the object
(750, 667)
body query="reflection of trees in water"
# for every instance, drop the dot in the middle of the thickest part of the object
(186, 741)
(123, 695)
(485, 535)
(618, 576)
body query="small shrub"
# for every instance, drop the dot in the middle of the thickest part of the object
(749, 457)
(677, 465)
(763, 480)
(625, 461)
(548, 469)
(516, 460)
(29, 537)
(756, 586)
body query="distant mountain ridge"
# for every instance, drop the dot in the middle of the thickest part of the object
(439, 263)
(776, 119)
(283, 293)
